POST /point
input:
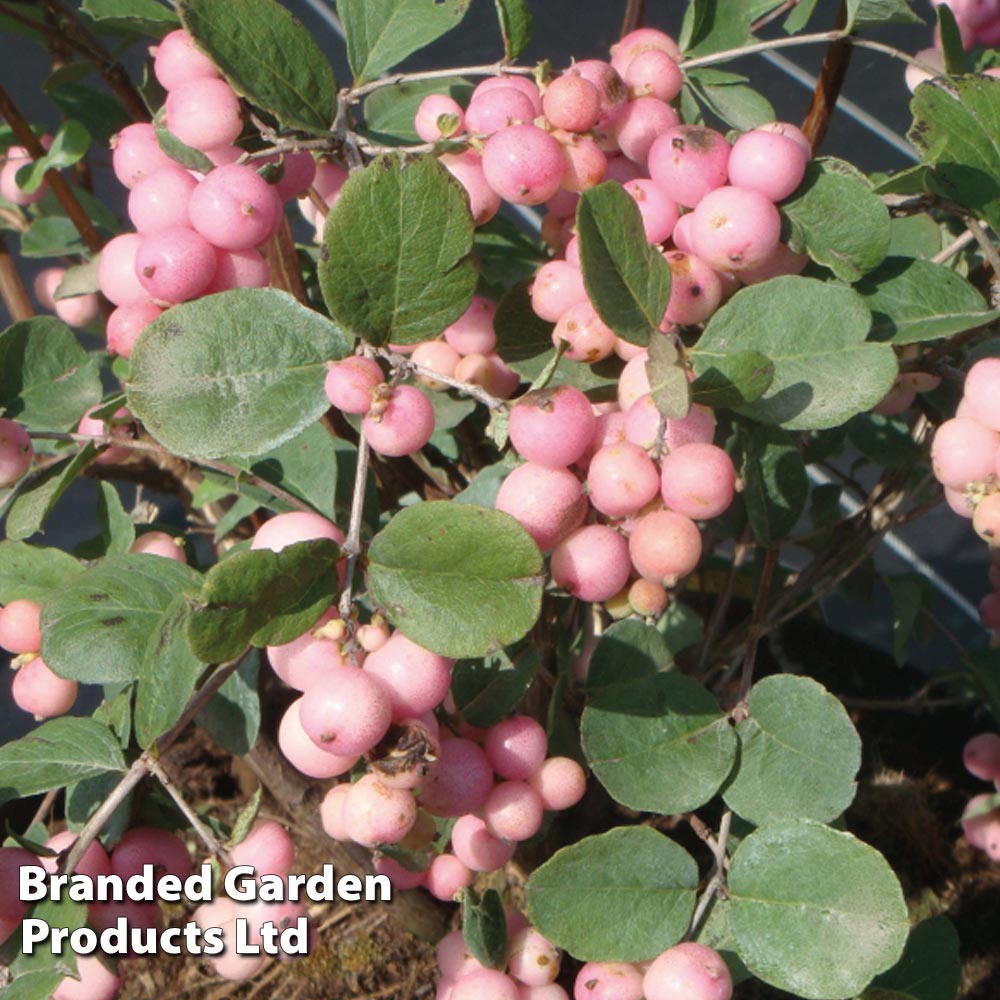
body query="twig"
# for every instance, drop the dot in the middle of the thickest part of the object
(717, 880)
(756, 623)
(489, 69)
(956, 246)
(721, 608)
(828, 85)
(981, 236)
(12, 290)
(766, 19)
(352, 546)
(404, 366)
(635, 14)
(46, 805)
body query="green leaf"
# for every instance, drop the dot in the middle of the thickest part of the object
(800, 16)
(516, 24)
(80, 279)
(668, 381)
(238, 373)
(97, 111)
(412, 275)
(775, 483)
(147, 16)
(735, 379)
(838, 220)
(619, 897)
(389, 112)
(47, 380)
(33, 572)
(247, 817)
(659, 743)
(628, 281)
(69, 146)
(268, 56)
(814, 333)
(484, 928)
(736, 104)
(916, 300)
(956, 127)
(874, 13)
(117, 528)
(814, 911)
(232, 717)
(628, 651)
(382, 33)
(914, 236)
(799, 754)
(909, 591)
(506, 254)
(681, 626)
(885, 441)
(262, 598)
(489, 689)
(930, 969)
(955, 61)
(96, 628)
(34, 503)
(59, 752)
(458, 579)
(521, 333)
(714, 25)
(43, 968)
(85, 797)
(52, 236)
(181, 152)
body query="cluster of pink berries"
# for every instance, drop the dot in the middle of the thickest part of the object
(978, 24)
(687, 971)
(649, 479)
(196, 234)
(981, 821)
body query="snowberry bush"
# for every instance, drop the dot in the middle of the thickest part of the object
(451, 488)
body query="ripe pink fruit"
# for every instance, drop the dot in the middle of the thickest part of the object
(698, 480)
(331, 811)
(400, 877)
(584, 162)
(303, 754)
(665, 546)
(472, 332)
(116, 427)
(297, 526)
(572, 103)
(640, 123)
(513, 811)
(136, 153)
(523, 164)
(654, 74)
(533, 959)
(17, 157)
(235, 208)
(16, 452)
(547, 503)
(490, 372)
(404, 426)
(557, 287)
(126, 323)
(688, 162)
(696, 290)
(459, 781)
(159, 543)
(608, 981)
(178, 61)
(239, 269)
(12, 859)
(734, 228)
(160, 200)
(453, 958)
(467, 169)
(552, 427)
(592, 563)
(963, 452)
(525, 85)
(621, 480)
(659, 213)
(516, 747)
(647, 598)
(792, 132)
(302, 660)
(446, 877)
(345, 711)
(590, 340)
(981, 756)
(349, 383)
(986, 519)
(415, 679)
(150, 846)
(432, 108)
(204, 113)
(38, 691)
(96, 982)
(560, 783)
(437, 356)
(610, 86)
(116, 272)
(781, 262)
(298, 172)
(767, 162)
(635, 43)
(267, 847)
(633, 382)
(485, 984)
(375, 814)
(175, 265)
(978, 830)
(688, 971)
(477, 848)
(496, 109)
(20, 627)
(982, 392)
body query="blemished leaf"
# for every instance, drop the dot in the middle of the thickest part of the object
(59, 752)
(799, 754)
(232, 717)
(268, 56)
(259, 597)
(413, 274)
(32, 506)
(96, 628)
(147, 16)
(616, 897)
(916, 300)
(713, 25)
(814, 334)
(390, 111)
(668, 381)
(458, 579)
(627, 651)
(238, 373)
(33, 572)
(658, 743)
(775, 483)
(69, 146)
(837, 219)
(47, 380)
(814, 911)
(516, 24)
(734, 379)
(489, 689)
(930, 969)
(382, 33)
(910, 592)
(484, 928)
(956, 127)
(627, 280)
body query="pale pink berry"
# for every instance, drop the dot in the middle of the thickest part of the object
(204, 113)
(136, 153)
(16, 452)
(178, 61)
(175, 265)
(17, 158)
(964, 451)
(654, 73)
(695, 292)
(641, 40)
(682, 234)
(550, 991)
(489, 371)
(477, 848)
(986, 518)
(375, 814)
(160, 200)
(698, 480)
(432, 109)
(126, 323)
(958, 501)
(331, 811)
(548, 503)
(688, 162)
(445, 878)
(789, 131)
(982, 392)
(345, 711)
(584, 162)
(116, 273)
(20, 627)
(767, 162)
(698, 427)
(239, 269)
(781, 262)
(235, 208)
(467, 169)
(560, 783)
(268, 847)
(734, 228)
(297, 526)
(230, 964)
(147, 845)
(981, 756)
(93, 427)
(640, 123)
(621, 480)
(485, 984)
(96, 982)
(592, 563)
(633, 381)
(373, 637)
(552, 427)
(45, 285)
(330, 178)
(608, 981)
(401, 878)
(496, 109)
(533, 959)
(609, 85)
(563, 203)
(298, 172)
(437, 356)
(349, 383)
(526, 86)
(472, 332)
(659, 213)
(311, 655)
(979, 829)
(303, 754)
(404, 426)
(523, 164)
(459, 781)
(453, 957)
(571, 102)
(587, 336)
(39, 692)
(665, 546)
(647, 598)
(516, 747)
(558, 286)
(688, 971)
(415, 679)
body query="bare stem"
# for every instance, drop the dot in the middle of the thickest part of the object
(635, 14)
(956, 246)
(756, 624)
(403, 366)
(45, 807)
(352, 546)
(766, 19)
(489, 69)
(717, 880)
(12, 290)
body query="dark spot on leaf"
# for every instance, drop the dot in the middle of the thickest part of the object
(117, 620)
(97, 597)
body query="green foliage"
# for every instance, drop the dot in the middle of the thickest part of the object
(930, 969)
(484, 928)
(35, 501)
(516, 23)
(148, 16)
(232, 717)
(668, 380)
(775, 484)
(32, 572)
(488, 689)
(69, 146)
(627, 651)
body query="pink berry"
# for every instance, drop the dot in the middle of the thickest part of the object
(584, 162)
(792, 132)
(150, 846)
(485, 984)
(330, 178)
(235, 208)
(126, 323)
(560, 783)
(345, 711)
(958, 501)
(698, 427)
(523, 84)
(446, 877)
(665, 546)
(453, 957)
(557, 287)
(415, 679)
(592, 563)
(401, 878)
(349, 383)
(688, 162)
(437, 356)
(204, 113)
(93, 862)
(552, 427)
(982, 392)
(331, 811)
(981, 756)
(734, 228)
(298, 171)
(175, 265)
(523, 164)
(654, 74)
(516, 747)
(477, 848)
(513, 811)
(404, 426)
(267, 847)
(16, 452)
(116, 273)
(472, 332)
(17, 158)
(432, 109)
(548, 503)
(533, 959)
(963, 452)
(588, 338)
(641, 40)
(160, 200)
(12, 860)
(659, 213)
(979, 829)
(375, 814)
(96, 982)
(609, 85)
(572, 103)
(608, 981)
(688, 971)
(137, 153)
(239, 269)
(178, 61)
(696, 291)
(621, 480)
(459, 781)
(298, 526)
(767, 162)
(303, 754)
(640, 123)
(633, 381)
(781, 262)
(467, 169)
(20, 627)
(93, 427)
(496, 109)
(38, 691)
(698, 480)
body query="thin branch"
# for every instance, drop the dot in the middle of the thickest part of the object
(956, 246)
(828, 86)
(404, 366)
(721, 608)
(717, 880)
(766, 19)
(756, 623)
(352, 546)
(489, 69)
(12, 290)
(635, 14)
(982, 237)
(45, 807)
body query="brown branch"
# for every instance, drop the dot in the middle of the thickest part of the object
(635, 14)
(828, 86)
(757, 629)
(283, 260)
(12, 290)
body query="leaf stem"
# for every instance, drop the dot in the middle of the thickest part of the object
(500, 68)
